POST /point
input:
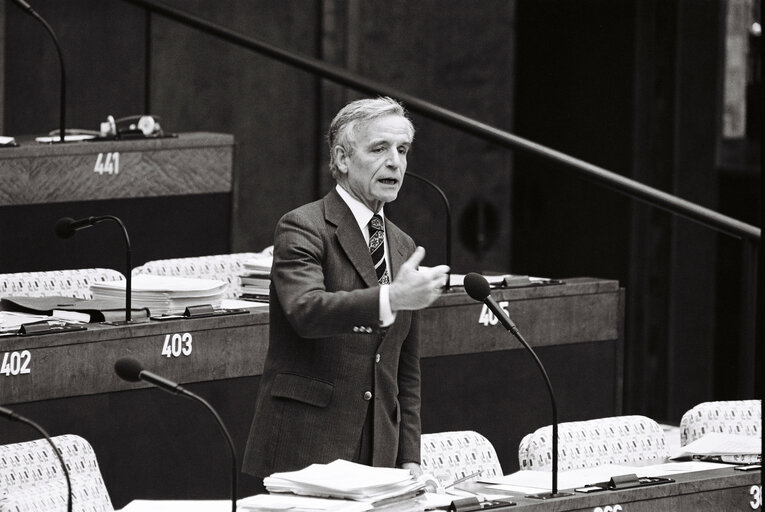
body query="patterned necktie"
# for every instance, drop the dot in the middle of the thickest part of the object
(377, 248)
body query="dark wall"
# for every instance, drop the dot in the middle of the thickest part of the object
(635, 87)
(574, 75)
(103, 45)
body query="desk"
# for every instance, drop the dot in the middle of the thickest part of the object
(475, 376)
(166, 191)
(714, 491)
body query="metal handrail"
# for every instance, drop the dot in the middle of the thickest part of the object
(627, 186)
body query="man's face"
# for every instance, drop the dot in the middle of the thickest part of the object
(374, 170)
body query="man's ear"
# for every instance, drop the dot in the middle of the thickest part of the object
(341, 158)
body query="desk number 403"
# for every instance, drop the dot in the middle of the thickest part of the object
(177, 345)
(487, 317)
(15, 363)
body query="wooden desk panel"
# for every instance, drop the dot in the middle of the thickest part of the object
(713, 491)
(81, 362)
(192, 163)
(168, 192)
(582, 310)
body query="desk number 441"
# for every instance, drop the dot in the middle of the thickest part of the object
(107, 163)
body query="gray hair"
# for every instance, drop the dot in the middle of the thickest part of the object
(354, 113)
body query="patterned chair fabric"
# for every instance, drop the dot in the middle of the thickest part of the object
(630, 440)
(224, 267)
(449, 456)
(67, 283)
(31, 478)
(739, 417)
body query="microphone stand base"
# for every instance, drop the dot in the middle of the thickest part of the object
(549, 495)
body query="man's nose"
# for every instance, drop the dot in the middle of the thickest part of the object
(394, 159)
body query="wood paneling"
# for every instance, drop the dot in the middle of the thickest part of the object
(193, 163)
(269, 107)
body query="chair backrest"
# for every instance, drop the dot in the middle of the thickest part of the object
(449, 456)
(67, 283)
(631, 440)
(740, 417)
(31, 478)
(224, 267)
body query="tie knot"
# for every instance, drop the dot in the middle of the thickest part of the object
(376, 223)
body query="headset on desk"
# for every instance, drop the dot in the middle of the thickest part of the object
(142, 125)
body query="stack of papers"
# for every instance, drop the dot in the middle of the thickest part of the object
(72, 309)
(532, 482)
(164, 294)
(506, 280)
(723, 447)
(348, 480)
(259, 264)
(12, 320)
(284, 502)
(256, 279)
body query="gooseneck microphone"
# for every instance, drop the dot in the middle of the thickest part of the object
(448, 238)
(66, 227)
(28, 9)
(132, 371)
(477, 287)
(10, 415)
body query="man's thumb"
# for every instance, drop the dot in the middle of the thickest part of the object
(416, 257)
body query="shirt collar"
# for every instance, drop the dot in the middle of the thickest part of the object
(360, 212)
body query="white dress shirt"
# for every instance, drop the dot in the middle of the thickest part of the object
(363, 215)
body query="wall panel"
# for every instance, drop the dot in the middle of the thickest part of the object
(204, 83)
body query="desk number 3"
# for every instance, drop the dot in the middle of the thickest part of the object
(756, 493)
(177, 345)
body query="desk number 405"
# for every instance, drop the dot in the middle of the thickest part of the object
(15, 363)
(487, 317)
(177, 345)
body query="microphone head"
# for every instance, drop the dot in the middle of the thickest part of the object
(128, 369)
(64, 227)
(477, 286)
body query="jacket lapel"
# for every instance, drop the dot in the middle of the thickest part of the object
(349, 236)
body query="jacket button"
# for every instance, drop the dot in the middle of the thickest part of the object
(377, 358)
(355, 328)
(367, 395)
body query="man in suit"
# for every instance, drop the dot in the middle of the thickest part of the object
(342, 373)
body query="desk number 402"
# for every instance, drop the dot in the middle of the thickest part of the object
(15, 363)
(177, 345)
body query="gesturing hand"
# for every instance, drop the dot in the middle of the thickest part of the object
(416, 288)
